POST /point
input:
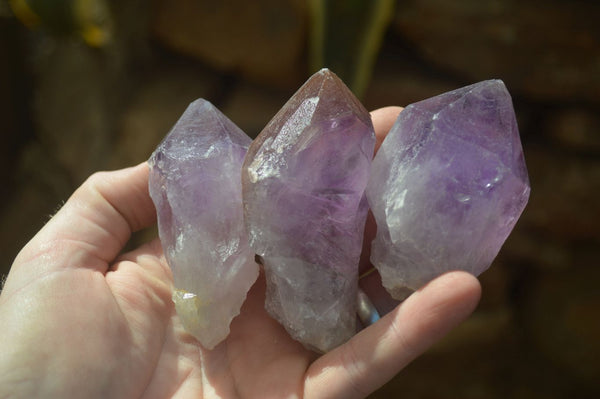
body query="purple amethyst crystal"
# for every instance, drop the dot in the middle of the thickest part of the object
(447, 186)
(304, 205)
(195, 184)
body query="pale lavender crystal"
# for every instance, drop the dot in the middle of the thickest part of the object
(195, 184)
(305, 209)
(447, 186)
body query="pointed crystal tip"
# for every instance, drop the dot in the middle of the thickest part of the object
(194, 182)
(447, 185)
(303, 183)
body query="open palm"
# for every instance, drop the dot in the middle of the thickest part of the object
(81, 321)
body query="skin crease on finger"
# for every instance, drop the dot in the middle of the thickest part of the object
(78, 323)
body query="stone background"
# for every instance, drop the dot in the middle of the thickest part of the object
(67, 110)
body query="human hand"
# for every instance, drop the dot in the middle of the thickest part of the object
(81, 321)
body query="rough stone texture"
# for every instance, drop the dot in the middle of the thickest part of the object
(447, 186)
(575, 128)
(545, 48)
(561, 209)
(555, 315)
(251, 106)
(80, 111)
(195, 185)
(402, 83)
(153, 108)
(304, 205)
(263, 39)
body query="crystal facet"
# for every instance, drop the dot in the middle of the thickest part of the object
(195, 183)
(303, 185)
(447, 186)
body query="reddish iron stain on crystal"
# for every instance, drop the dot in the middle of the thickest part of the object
(447, 186)
(304, 204)
(195, 185)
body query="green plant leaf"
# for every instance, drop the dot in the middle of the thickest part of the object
(345, 36)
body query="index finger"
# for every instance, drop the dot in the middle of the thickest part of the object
(376, 354)
(383, 120)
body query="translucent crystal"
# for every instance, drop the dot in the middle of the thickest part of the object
(447, 186)
(195, 184)
(305, 209)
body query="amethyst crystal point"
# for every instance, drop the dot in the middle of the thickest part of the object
(447, 186)
(195, 184)
(304, 205)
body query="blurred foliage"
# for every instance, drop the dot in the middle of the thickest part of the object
(89, 19)
(346, 36)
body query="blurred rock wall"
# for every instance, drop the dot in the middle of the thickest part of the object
(67, 110)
